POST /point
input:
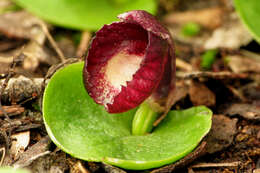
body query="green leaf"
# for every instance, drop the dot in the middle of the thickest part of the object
(208, 58)
(84, 14)
(190, 29)
(12, 170)
(85, 130)
(249, 12)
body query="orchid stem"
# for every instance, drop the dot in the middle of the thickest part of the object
(143, 120)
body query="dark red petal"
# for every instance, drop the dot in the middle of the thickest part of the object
(147, 21)
(139, 36)
(109, 41)
(151, 71)
(166, 87)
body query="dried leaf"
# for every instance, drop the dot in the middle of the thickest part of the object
(221, 134)
(232, 35)
(239, 64)
(247, 111)
(20, 142)
(201, 95)
(210, 18)
(37, 150)
(18, 24)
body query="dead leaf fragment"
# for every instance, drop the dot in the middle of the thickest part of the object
(256, 171)
(221, 134)
(201, 95)
(18, 24)
(181, 91)
(210, 18)
(232, 34)
(37, 150)
(239, 64)
(24, 25)
(19, 143)
(55, 162)
(247, 111)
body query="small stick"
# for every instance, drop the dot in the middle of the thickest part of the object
(54, 68)
(237, 93)
(209, 165)
(83, 45)
(4, 112)
(221, 75)
(6, 138)
(183, 65)
(52, 41)
(3, 155)
(12, 110)
(160, 119)
(81, 168)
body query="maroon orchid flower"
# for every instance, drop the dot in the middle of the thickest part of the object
(131, 61)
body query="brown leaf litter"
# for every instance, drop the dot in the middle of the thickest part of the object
(200, 94)
(221, 134)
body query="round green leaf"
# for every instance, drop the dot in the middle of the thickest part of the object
(85, 130)
(249, 12)
(12, 170)
(84, 14)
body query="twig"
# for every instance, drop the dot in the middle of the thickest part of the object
(210, 165)
(4, 112)
(81, 168)
(183, 65)
(54, 68)
(3, 155)
(7, 139)
(249, 54)
(30, 160)
(34, 95)
(32, 153)
(237, 93)
(83, 45)
(159, 119)
(207, 74)
(12, 110)
(53, 43)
